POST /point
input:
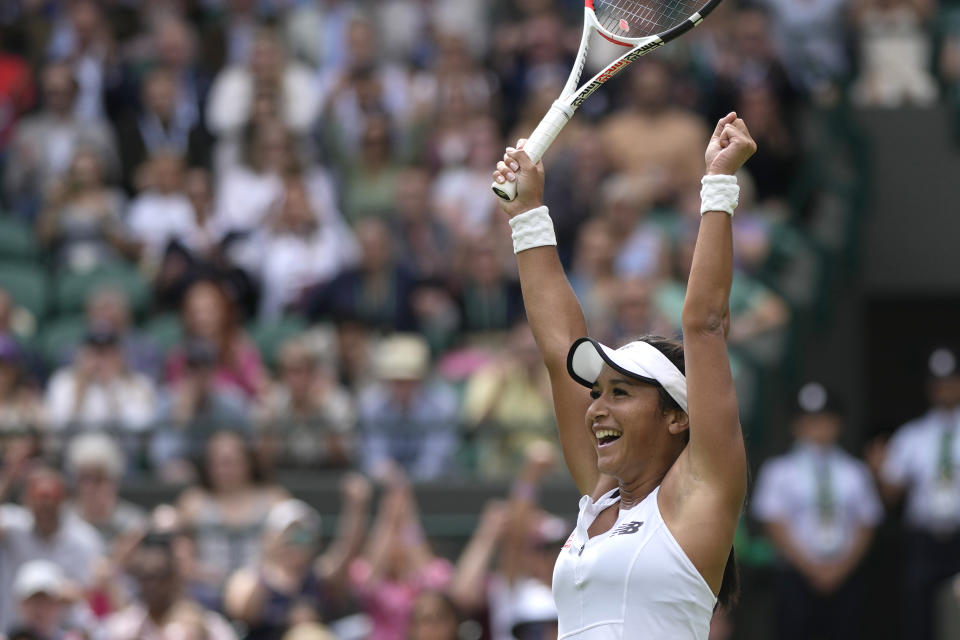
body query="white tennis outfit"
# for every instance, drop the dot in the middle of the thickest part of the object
(633, 582)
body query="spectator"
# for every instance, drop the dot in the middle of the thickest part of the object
(96, 466)
(489, 294)
(592, 271)
(299, 249)
(371, 177)
(435, 616)
(44, 604)
(406, 418)
(672, 136)
(44, 144)
(819, 507)
(758, 314)
(460, 199)
(811, 42)
(43, 530)
(81, 223)
(362, 87)
(201, 253)
(247, 191)
(774, 171)
(423, 237)
(507, 403)
(454, 90)
(98, 390)
(174, 48)
(17, 92)
(398, 563)
(377, 291)
(20, 406)
(227, 508)
(920, 464)
(531, 540)
(192, 409)
(745, 58)
(895, 51)
(641, 243)
(230, 104)
(108, 308)
(162, 213)
(313, 417)
(161, 126)
(635, 313)
(293, 584)
(162, 609)
(576, 175)
(209, 315)
(84, 41)
(16, 321)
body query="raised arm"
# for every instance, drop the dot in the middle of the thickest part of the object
(355, 492)
(716, 450)
(555, 317)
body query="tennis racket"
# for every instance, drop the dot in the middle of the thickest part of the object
(638, 25)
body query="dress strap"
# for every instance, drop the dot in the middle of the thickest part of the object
(589, 511)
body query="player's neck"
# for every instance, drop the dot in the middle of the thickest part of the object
(634, 490)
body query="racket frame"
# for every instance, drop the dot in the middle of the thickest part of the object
(572, 97)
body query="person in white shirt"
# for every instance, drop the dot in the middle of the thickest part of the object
(819, 507)
(98, 390)
(921, 464)
(299, 249)
(43, 530)
(656, 447)
(162, 213)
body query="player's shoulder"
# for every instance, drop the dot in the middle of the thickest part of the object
(914, 429)
(777, 465)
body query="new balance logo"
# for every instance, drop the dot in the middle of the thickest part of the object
(627, 527)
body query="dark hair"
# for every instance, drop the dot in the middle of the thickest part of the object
(203, 474)
(673, 349)
(447, 601)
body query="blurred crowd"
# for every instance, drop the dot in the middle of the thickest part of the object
(248, 235)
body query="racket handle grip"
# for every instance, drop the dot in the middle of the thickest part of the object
(538, 143)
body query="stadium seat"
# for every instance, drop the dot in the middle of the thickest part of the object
(270, 334)
(164, 331)
(17, 241)
(72, 289)
(59, 336)
(28, 286)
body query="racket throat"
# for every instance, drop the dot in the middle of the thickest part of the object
(546, 132)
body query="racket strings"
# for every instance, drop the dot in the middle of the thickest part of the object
(640, 18)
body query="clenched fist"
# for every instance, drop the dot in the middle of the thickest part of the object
(730, 146)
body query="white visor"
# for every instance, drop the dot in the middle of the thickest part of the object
(638, 359)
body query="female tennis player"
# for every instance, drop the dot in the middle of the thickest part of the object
(659, 457)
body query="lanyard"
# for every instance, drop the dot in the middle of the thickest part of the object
(945, 456)
(826, 500)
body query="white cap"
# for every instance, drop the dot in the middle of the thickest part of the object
(638, 359)
(39, 576)
(289, 512)
(533, 602)
(943, 363)
(97, 450)
(402, 356)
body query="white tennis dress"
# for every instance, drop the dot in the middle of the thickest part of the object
(633, 582)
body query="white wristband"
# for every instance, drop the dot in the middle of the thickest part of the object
(533, 228)
(719, 193)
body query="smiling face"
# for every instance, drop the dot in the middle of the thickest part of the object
(632, 433)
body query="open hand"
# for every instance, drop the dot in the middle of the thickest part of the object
(729, 147)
